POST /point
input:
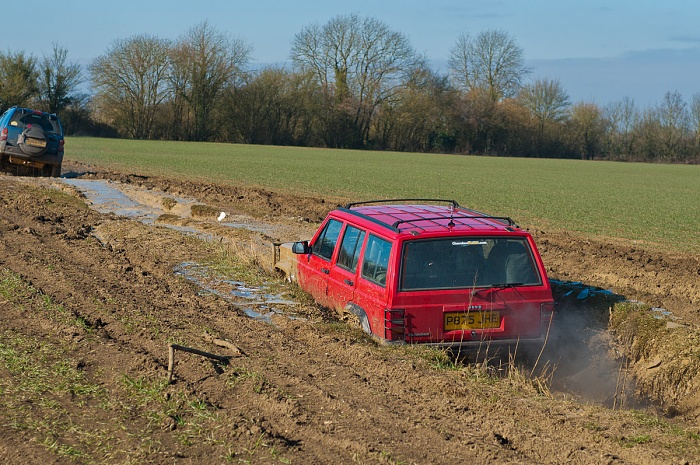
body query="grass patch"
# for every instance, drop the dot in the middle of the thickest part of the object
(646, 419)
(437, 359)
(635, 440)
(637, 329)
(649, 204)
(38, 368)
(240, 261)
(168, 203)
(15, 290)
(666, 356)
(43, 382)
(165, 407)
(203, 211)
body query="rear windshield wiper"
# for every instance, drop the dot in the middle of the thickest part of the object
(497, 286)
(504, 285)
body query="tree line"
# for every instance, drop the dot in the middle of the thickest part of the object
(353, 83)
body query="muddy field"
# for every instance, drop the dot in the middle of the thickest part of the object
(91, 302)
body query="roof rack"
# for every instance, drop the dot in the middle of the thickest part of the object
(367, 202)
(460, 217)
(476, 215)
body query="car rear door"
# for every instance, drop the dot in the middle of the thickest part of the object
(374, 281)
(343, 274)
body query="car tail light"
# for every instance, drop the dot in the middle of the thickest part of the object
(61, 144)
(3, 134)
(395, 325)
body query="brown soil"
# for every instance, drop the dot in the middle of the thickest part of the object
(308, 390)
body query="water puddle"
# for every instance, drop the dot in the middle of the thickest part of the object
(148, 206)
(255, 301)
(105, 198)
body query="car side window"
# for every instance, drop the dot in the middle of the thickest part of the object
(325, 244)
(376, 261)
(350, 248)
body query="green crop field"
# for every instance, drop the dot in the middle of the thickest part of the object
(656, 206)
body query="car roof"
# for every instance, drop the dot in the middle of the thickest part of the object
(25, 110)
(426, 218)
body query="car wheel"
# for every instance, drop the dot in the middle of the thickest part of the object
(356, 316)
(50, 171)
(30, 141)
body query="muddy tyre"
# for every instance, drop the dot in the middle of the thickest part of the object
(355, 316)
(51, 171)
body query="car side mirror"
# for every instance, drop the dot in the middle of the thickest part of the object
(301, 247)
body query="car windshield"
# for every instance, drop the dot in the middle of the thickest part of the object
(468, 262)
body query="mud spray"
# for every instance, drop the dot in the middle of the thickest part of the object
(587, 364)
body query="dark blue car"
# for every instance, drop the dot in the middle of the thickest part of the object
(31, 142)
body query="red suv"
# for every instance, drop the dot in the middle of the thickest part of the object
(425, 273)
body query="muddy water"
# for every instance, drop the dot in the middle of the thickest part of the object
(105, 197)
(254, 301)
(148, 206)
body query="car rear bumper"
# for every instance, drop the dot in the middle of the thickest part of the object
(483, 344)
(15, 156)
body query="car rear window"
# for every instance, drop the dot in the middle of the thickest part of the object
(22, 120)
(457, 263)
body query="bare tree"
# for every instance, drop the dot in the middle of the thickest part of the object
(418, 122)
(204, 62)
(58, 80)
(360, 62)
(18, 78)
(695, 117)
(546, 101)
(491, 62)
(588, 127)
(130, 82)
(674, 125)
(271, 108)
(623, 116)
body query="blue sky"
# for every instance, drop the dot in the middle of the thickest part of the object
(599, 50)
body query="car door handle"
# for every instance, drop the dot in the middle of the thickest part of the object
(325, 270)
(348, 282)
